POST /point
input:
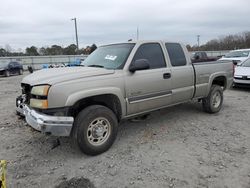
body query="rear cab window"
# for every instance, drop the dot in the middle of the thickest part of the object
(176, 54)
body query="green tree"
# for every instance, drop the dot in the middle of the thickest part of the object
(55, 50)
(32, 51)
(247, 39)
(2, 52)
(42, 51)
(93, 47)
(70, 50)
(229, 42)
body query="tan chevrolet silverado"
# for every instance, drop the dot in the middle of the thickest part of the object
(116, 82)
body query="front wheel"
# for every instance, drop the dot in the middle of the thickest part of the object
(95, 129)
(213, 102)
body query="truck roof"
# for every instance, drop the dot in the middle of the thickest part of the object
(142, 41)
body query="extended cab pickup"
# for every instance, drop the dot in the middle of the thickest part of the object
(116, 82)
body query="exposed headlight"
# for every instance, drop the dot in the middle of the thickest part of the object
(41, 90)
(38, 103)
(40, 99)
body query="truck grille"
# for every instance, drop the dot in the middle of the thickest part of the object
(26, 90)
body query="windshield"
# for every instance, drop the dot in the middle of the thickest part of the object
(109, 57)
(246, 63)
(244, 53)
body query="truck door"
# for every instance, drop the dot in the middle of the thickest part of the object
(182, 73)
(148, 89)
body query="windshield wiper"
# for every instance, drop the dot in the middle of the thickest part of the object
(100, 66)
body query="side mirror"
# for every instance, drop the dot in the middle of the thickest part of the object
(139, 64)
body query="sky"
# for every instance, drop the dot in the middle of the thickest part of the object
(47, 22)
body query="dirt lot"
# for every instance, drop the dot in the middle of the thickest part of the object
(177, 147)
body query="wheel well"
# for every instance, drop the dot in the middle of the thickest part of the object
(221, 81)
(109, 100)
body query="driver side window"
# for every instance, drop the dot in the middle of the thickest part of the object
(153, 53)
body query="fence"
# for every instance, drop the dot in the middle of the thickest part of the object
(37, 61)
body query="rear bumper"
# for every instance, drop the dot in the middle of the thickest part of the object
(240, 81)
(56, 125)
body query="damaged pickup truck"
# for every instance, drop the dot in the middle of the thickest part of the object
(116, 82)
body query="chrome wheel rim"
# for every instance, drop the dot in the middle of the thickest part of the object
(98, 131)
(216, 99)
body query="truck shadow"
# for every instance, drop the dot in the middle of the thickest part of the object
(238, 88)
(167, 120)
(157, 122)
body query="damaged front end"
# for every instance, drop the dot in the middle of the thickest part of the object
(52, 124)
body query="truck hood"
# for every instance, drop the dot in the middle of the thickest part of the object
(58, 75)
(242, 71)
(240, 59)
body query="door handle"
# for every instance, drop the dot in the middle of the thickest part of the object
(167, 75)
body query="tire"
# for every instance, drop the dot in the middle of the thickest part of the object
(213, 102)
(20, 72)
(86, 126)
(6, 73)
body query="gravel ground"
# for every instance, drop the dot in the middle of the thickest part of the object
(176, 147)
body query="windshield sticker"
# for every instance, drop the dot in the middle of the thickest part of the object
(111, 57)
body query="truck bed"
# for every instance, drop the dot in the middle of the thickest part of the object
(206, 71)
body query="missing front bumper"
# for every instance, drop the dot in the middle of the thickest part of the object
(56, 125)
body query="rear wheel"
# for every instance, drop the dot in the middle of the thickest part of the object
(213, 102)
(6, 73)
(95, 129)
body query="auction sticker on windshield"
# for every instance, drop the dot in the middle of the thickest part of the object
(111, 57)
